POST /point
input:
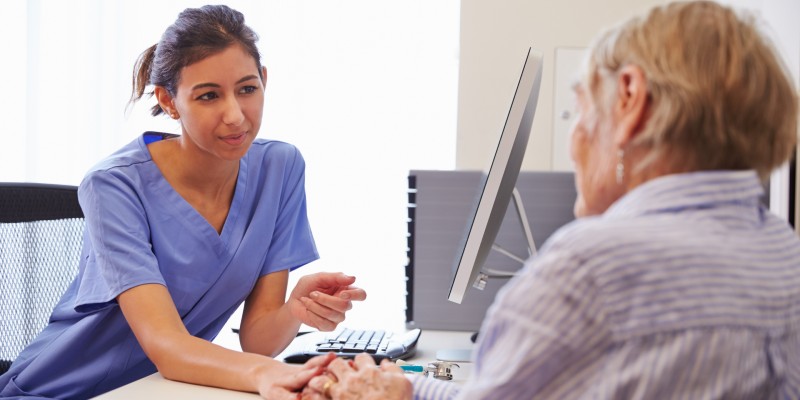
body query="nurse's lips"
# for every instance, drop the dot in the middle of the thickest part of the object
(234, 139)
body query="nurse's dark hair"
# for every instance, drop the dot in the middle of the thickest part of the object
(196, 34)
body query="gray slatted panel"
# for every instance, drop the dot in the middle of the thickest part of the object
(443, 202)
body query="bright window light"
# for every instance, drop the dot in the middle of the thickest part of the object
(366, 89)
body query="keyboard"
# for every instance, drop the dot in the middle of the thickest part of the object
(346, 343)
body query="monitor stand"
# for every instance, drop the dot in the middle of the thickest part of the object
(454, 355)
(465, 355)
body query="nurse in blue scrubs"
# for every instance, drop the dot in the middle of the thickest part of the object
(181, 229)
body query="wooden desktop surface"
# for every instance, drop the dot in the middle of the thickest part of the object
(155, 387)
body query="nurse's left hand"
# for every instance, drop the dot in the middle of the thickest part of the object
(321, 300)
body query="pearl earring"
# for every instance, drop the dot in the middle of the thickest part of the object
(620, 166)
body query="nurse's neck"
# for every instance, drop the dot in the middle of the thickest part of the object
(204, 180)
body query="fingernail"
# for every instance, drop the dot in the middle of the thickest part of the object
(314, 295)
(344, 295)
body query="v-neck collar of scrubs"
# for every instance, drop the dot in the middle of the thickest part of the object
(186, 213)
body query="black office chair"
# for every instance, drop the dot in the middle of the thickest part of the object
(41, 233)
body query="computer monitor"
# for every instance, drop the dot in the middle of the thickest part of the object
(500, 180)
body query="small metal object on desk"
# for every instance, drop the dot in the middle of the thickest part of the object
(440, 370)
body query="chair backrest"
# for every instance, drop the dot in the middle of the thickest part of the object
(41, 235)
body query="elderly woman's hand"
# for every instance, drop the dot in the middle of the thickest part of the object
(320, 300)
(360, 379)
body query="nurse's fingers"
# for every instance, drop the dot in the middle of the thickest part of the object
(340, 278)
(320, 361)
(340, 368)
(285, 387)
(322, 311)
(333, 302)
(316, 321)
(352, 293)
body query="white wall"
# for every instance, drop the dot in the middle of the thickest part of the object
(495, 36)
(781, 15)
(365, 89)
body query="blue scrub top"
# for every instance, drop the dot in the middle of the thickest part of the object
(140, 231)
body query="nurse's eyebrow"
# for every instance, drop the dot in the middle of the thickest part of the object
(215, 85)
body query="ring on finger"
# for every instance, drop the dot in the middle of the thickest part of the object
(326, 388)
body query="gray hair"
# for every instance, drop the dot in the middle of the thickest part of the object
(720, 97)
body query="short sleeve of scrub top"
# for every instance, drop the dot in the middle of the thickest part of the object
(139, 230)
(137, 225)
(118, 232)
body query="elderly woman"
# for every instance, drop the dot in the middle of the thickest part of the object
(675, 282)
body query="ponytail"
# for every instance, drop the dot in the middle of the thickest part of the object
(141, 78)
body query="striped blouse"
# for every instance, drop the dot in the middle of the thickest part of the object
(685, 288)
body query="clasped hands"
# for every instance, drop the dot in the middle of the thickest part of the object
(327, 377)
(320, 301)
(359, 378)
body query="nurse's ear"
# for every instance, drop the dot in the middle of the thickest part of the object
(264, 76)
(166, 102)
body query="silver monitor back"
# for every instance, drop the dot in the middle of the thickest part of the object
(500, 179)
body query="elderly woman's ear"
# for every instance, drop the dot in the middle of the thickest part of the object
(630, 104)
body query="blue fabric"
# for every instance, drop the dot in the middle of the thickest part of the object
(140, 231)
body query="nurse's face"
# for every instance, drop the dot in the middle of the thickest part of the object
(595, 158)
(220, 100)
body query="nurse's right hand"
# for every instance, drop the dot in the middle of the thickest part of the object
(321, 300)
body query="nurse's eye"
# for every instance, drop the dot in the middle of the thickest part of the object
(248, 89)
(208, 96)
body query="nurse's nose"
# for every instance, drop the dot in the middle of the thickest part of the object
(233, 115)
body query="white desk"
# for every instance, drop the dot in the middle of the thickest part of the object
(156, 387)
